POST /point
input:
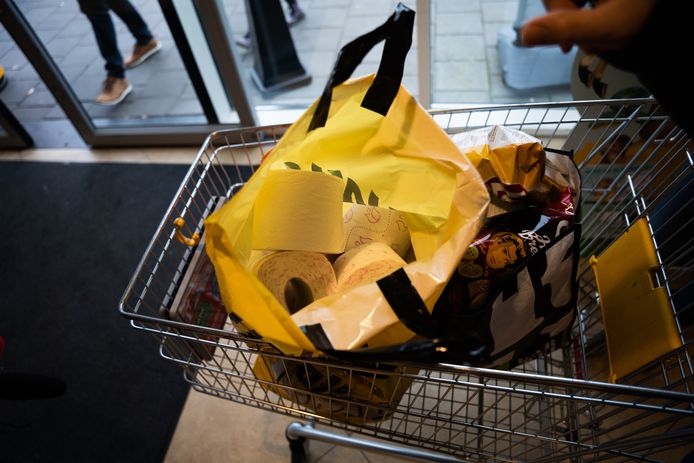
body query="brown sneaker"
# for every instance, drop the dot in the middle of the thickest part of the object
(142, 52)
(114, 91)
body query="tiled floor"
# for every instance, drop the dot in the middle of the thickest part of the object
(465, 66)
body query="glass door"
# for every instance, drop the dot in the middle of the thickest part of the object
(177, 93)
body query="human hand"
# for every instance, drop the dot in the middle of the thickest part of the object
(609, 26)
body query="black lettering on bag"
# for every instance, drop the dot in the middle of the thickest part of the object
(373, 199)
(352, 192)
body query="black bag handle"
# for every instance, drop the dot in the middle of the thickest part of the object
(432, 344)
(397, 32)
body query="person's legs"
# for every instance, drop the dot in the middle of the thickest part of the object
(146, 45)
(116, 87)
(98, 15)
(127, 12)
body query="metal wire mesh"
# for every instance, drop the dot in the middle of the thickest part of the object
(556, 406)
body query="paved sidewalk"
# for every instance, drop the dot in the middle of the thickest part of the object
(465, 66)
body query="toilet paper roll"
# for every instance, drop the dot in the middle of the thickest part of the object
(296, 278)
(365, 264)
(367, 224)
(299, 210)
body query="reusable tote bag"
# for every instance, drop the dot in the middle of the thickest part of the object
(384, 151)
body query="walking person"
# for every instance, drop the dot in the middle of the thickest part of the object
(116, 86)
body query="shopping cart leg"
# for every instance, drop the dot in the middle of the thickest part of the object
(298, 445)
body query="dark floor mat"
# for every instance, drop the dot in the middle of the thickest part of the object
(72, 237)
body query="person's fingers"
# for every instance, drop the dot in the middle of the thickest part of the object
(607, 27)
(564, 27)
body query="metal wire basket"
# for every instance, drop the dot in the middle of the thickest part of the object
(556, 406)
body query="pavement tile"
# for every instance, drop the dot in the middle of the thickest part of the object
(312, 39)
(459, 48)
(81, 54)
(460, 97)
(167, 59)
(88, 86)
(458, 23)
(74, 71)
(35, 16)
(378, 8)
(61, 46)
(160, 29)
(56, 112)
(500, 91)
(16, 90)
(326, 4)
(456, 6)
(503, 12)
(186, 107)
(324, 18)
(143, 106)
(14, 60)
(56, 20)
(460, 75)
(79, 26)
(38, 98)
(355, 26)
(319, 63)
(5, 46)
(26, 72)
(30, 114)
(493, 63)
(171, 89)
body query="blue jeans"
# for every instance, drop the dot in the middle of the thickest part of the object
(98, 13)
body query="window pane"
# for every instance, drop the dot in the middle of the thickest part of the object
(474, 58)
(161, 90)
(326, 27)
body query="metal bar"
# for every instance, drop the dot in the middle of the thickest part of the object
(423, 53)
(298, 430)
(188, 59)
(26, 39)
(573, 383)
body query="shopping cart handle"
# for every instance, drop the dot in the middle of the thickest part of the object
(192, 241)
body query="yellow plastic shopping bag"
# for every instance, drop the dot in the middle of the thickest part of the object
(385, 151)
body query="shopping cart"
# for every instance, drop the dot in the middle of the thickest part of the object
(557, 406)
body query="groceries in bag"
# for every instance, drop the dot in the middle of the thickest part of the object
(515, 287)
